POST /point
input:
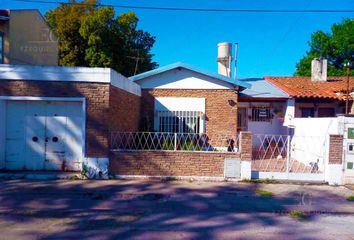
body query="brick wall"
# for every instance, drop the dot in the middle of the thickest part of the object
(245, 144)
(165, 163)
(335, 154)
(97, 103)
(177, 163)
(124, 110)
(221, 118)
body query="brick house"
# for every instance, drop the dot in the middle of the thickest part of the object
(181, 98)
(55, 118)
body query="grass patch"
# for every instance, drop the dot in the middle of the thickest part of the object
(263, 193)
(267, 181)
(350, 199)
(299, 215)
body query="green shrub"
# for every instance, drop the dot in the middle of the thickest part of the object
(190, 145)
(167, 145)
(351, 198)
(299, 215)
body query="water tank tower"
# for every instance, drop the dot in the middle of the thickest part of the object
(224, 58)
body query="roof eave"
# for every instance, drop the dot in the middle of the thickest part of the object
(191, 68)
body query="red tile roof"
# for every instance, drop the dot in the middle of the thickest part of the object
(303, 87)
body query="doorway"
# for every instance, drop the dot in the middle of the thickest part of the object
(242, 119)
(44, 135)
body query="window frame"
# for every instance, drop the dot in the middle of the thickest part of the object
(255, 112)
(179, 121)
(321, 114)
(312, 109)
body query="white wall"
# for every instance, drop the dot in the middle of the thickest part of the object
(289, 112)
(2, 132)
(273, 127)
(310, 142)
(179, 104)
(182, 79)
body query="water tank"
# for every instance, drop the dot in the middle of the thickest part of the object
(224, 50)
(224, 58)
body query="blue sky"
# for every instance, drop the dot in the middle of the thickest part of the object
(270, 44)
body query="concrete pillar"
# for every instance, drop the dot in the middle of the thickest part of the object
(334, 168)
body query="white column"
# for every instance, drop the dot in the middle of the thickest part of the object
(289, 113)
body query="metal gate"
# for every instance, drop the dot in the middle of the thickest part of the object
(288, 157)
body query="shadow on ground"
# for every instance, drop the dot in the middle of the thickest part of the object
(153, 210)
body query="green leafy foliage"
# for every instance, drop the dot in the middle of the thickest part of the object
(337, 47)
(94, 36)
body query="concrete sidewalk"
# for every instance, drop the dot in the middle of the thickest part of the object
(172, 210)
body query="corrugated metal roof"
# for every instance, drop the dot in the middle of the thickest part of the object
(192, 68)
(260, 88)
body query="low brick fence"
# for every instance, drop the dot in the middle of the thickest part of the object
(168, 163)
(177, 163)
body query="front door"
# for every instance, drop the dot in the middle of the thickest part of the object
(35, 121)
(55, 144)
(242, 119)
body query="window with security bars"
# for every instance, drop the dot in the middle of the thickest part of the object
(179, 121)
(261, 114)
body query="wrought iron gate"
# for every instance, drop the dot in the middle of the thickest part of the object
(288, 157)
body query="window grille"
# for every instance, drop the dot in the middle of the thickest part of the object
(179, 121)
(261, 114)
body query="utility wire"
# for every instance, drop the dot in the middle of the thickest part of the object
(270, 53)
(197, 9)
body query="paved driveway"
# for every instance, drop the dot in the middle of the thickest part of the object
(172, 210)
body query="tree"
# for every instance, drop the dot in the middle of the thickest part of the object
(91, 35)
(337, 47)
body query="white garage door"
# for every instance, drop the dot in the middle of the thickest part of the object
(43, 135)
